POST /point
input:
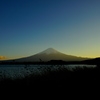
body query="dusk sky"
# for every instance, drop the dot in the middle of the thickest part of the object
(31, 26)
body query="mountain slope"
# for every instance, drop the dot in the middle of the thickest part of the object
(50, 54)
(95, 61)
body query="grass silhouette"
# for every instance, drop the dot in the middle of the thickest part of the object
(59, 83)
(61, 79)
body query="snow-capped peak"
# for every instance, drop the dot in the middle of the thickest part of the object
(49, 51)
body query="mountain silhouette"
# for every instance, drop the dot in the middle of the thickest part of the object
(95, 61)
(50, 54)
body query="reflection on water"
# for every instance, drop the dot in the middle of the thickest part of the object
(19, 71)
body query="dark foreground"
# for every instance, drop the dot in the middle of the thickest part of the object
(61, 81)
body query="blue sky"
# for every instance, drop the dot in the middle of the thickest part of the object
(30, 26)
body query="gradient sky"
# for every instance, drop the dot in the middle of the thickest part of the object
(31, 26)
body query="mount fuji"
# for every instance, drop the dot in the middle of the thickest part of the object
(50, 54)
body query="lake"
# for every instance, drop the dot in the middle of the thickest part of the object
(20, 71)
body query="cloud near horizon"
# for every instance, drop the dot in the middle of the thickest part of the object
(3, 58)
